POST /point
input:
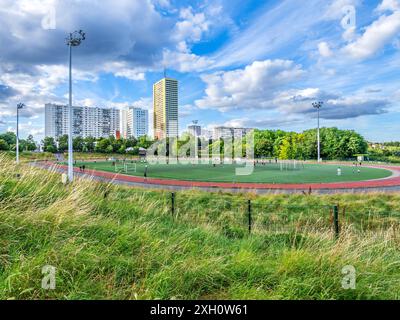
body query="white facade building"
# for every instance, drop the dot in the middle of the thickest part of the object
(87, 121)
(137, 122)
(229, 133)
(194, 130)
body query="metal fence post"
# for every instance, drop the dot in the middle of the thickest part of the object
(173, 203)
(336, 220)
(249, 214)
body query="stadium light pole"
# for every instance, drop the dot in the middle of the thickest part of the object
(74, 39)
(318, 105)
(19, 107)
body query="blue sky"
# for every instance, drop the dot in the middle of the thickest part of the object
(241, 63)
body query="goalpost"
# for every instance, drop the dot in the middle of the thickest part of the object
(118, 167)
(130, 167)
(290, 165)
(126, 167)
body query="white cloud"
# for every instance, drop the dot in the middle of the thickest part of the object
(251, 87)
(123, 70)
(324, 49)
(375, 37)
(336, 8)
(191, 26)
(389, 5)
(185, 61)
(190, 29)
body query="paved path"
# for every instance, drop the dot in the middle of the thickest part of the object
(391, 183)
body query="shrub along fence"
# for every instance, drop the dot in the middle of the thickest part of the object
(237, 217)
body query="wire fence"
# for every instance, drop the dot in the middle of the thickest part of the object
(236, 217)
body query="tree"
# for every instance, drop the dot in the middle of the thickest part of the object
(131, 142)
(102, 145)
(27, 145)
(335, 144)
(264, 143)
(78, 144)
(9, 137)
(89, 144)
(49, 145)
(4, 146)
(109, 149)
(30, 143)
(63, 143)
(145, 142)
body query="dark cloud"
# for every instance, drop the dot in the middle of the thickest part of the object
(6, 92)
(373, 90)
(335, 107)
(264, 123)
(352, 109)
(123, 29)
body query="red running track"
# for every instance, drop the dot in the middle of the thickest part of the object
(392, 181)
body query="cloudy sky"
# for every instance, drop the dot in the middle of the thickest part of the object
(253, 63)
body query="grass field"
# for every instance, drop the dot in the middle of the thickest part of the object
(113, 242)
(270, 173)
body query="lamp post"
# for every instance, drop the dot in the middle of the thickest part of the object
(73, 40)
(318, 105)
(19, 107)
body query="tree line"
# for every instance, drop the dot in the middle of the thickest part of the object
(335, 144)
(102, 145)
(8, 142)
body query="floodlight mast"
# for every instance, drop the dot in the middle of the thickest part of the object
(196, 143)
(318, 105)
(73, 40)
(19, 107)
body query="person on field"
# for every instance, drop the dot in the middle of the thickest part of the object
(145, 172)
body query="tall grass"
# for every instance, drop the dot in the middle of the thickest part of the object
(111, 242)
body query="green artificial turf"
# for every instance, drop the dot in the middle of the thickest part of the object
(269, 173)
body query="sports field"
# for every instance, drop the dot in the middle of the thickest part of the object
(269, 173)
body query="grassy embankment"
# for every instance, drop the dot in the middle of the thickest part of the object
(113, 242)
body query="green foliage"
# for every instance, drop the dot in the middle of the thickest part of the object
(335, 144)
(29, 144)
(4, 145)
(9, 137)
(385, 152)
(49, 145)
(62, 143)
